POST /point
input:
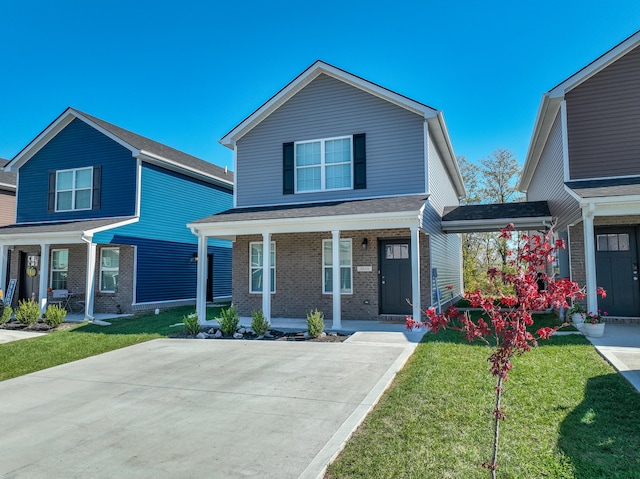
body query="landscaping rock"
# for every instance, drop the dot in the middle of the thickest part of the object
(202, 336)
(217, 334)
(242, 330)
(238, 335)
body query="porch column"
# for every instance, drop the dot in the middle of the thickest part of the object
(590, 259)
(335, 261)
(4, 253)
(44, 276)
(90, 289)
(201, 288)
(266, 276)
(415, 273)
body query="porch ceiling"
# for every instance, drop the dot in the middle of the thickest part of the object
(525, 215)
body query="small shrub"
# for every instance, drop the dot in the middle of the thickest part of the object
(315, 323)
(28, 312)
(228, 320)
(191, 323)
(259, 323)
(6, 314)
(54, 316)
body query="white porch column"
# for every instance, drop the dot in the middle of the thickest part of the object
(337, 296)
(415, 273)
(90, 288)
(44, 276)
(590, 259)
(4, 253)
(266, 276)
(202, 272)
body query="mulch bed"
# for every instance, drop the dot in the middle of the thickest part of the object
(38, 327)
(274, 335)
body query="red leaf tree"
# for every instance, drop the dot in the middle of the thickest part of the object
(523, 287)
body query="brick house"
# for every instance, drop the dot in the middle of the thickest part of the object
(102, 212)
(334, 170)
(583, 160)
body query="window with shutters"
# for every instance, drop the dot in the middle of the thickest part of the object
(73, 189)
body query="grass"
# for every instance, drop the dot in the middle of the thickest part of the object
(569, 415)
(30, 355)
(540, 320)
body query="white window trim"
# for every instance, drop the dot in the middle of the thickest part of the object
(53, 251)
(107, 269)
(322, 165)
(324, 267)
(273, 267)
(73, 190)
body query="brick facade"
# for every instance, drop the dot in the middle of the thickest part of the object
(298, 283)
(120, 301)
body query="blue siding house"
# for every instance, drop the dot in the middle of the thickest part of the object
(101, 213)
(340, 189)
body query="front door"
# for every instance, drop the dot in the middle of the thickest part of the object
(395, 276)
(617, 270)
(28, 279)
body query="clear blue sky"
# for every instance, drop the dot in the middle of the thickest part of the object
(185, 72)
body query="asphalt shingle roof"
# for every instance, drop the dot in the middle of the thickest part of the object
(603, 188)
(396, 204)
(523, 209)
(6, 177)
(60, 227)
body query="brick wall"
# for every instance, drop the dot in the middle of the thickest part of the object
(77, 273)
(299, 275)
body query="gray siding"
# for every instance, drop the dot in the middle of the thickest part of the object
(441, 189)
(547, 182)
(328, 108)
(7, 207)
(604, 121)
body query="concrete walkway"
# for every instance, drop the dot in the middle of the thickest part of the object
(620, 345)
(8, 335)
(175, 408)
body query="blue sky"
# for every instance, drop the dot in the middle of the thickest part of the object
(185, 73)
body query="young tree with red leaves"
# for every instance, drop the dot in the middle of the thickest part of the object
(515, 293)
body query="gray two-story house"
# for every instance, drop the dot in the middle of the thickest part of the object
(340, 189)
(584, 159)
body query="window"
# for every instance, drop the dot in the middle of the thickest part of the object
(345, 266)
(396, 251)
(613, 242)
(59, 268)
(323, 164)
(73, 189)
(109, 268)
(255, 266)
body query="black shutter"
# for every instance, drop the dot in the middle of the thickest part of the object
(97, 187)
(288, 169)
(52, 192)
(359, 162)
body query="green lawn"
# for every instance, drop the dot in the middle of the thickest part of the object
(30, 355)
(569, 415)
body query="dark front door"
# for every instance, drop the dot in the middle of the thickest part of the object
(617, 270)
(28, 277)
(395, 276)
(210, 277)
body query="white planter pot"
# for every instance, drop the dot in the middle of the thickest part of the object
(577, 319)
(594, 330)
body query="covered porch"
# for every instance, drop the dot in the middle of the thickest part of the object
(37, 243)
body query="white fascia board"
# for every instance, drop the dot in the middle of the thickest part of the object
(304, 79)
(544, 121)
(100, 229)
(7, 186)
(307, 225)
(180, 168)
(40, 238)
(596, 66)
(462, 226)
(613, 205)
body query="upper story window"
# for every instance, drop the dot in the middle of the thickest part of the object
(324, 164)
(73, 189)
(329, 164)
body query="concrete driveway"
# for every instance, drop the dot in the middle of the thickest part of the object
(173, 408)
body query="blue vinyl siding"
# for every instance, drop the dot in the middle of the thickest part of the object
(78, 145)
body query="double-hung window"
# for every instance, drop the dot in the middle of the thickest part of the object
(324, 164)
(346, 269)
(256, 263)
(109, 269)
(73, 189)
(59, 268)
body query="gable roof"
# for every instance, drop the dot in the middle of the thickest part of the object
(434, 117)
(141, 147)
(7, 178)
(551, 101)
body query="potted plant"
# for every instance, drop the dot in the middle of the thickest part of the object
(577, 313)
(594, 325)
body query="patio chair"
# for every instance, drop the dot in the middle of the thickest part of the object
(60, 297)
